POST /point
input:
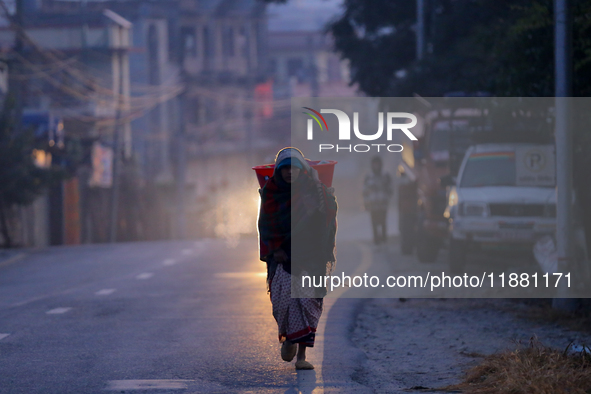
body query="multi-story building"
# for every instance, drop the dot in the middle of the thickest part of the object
(153, 71)
(74, 68)
(305, 64)
(225, 51)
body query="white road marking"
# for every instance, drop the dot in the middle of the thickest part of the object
(67, 291)
(57, 311)
(157, 384)
(187, 252)
(168, 262)
(145, 275)
(240, 275)
(2, 336)
(105, 292)
(13, 259)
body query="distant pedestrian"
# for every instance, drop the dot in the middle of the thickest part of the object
(297, 228)
(377, 190)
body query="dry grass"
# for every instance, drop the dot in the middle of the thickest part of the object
(530, 369)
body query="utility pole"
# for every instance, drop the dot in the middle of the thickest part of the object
(181, 170)
(564, 162)
(181, 175)
(120, 64)
(116, 156)
(312, 68)
(420, 29)
(17, 84)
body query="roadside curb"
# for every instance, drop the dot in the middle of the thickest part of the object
(342, 359)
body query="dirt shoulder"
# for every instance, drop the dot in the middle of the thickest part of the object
(424, 344)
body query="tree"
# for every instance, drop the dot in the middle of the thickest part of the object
(505, 48)
(523, 48)
(20, 179)
(378, 38)
(502, 47)
(524, 66)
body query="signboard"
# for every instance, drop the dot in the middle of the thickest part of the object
(71, 212)
(45, 125)
(535, 166)
(102, 166)
(263, 95)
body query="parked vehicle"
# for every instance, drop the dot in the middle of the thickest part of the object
(503, 200)
(422, 196)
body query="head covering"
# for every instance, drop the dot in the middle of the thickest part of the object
(291, 156)
(289, 162)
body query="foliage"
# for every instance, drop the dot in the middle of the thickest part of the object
(377, 38)
(504, 48)
(20, 179)
(525, 67)
(524, 50)
(457, 57)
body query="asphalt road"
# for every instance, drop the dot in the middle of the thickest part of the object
(158, 317)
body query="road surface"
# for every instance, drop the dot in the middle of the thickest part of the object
(178, 317)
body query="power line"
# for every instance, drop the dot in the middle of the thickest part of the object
(93, 91)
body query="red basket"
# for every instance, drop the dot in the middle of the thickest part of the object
(325, 170)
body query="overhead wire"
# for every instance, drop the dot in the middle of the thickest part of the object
(89, 89)
(93, 90)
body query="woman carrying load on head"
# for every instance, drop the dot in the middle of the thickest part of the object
(297, 229)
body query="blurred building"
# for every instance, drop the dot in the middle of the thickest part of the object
(75, 68)
(304, 64)
(228, 103)
(205, 76)
(152, 71)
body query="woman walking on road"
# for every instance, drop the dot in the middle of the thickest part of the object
(297, 229)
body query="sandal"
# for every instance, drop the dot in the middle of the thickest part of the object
(288, 350)
(302, 364)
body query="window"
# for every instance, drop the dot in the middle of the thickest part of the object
(153, 59)
(193, 110)
(228, 42)
(272, 66)
(208, 48)
(189, 41)
(243, 43)
(295, 67)
(489, 169)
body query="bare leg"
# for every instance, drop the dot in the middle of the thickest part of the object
(288, 350)
(374, 225)
(301, 353)
(301, 362)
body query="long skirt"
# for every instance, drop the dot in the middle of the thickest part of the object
(297, 318)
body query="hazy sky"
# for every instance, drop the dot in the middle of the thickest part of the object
(302, 14)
